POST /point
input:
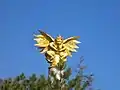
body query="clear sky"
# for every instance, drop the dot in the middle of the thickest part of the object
(97, 22)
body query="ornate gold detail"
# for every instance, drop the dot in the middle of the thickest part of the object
(56, 50)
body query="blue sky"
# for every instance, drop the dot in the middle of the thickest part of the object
(97, 22)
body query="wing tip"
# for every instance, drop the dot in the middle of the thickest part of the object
(34, 35)
(41, 31)
(79, 42)
(77, 37)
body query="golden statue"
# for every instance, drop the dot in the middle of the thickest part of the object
(56, 50)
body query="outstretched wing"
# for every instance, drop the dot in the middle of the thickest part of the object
(42, 41)
(71, 44)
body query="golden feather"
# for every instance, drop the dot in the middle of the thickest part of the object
(71, 44)
(43, 40)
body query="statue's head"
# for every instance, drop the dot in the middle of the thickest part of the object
(59, 39)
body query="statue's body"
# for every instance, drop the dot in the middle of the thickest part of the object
(55, 50)
(56, 53)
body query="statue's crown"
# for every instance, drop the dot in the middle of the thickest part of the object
(59, 37)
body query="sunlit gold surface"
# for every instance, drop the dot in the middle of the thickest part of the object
(57, 49)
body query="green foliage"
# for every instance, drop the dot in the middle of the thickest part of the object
(21, 82)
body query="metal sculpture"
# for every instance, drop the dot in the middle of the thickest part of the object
(56, 50)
